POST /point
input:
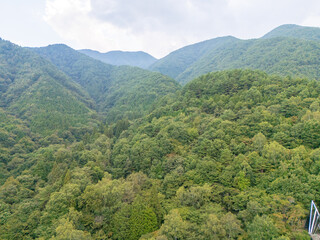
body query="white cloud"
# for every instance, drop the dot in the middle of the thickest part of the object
(161, 26)
(312, 20)
(70, 19)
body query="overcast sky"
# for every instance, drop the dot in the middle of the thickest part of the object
(155, 26)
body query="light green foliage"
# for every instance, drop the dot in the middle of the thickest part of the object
(174, 227)
(66, 231)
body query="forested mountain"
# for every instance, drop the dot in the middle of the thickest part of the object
(14, 136)
(33, 89)
(90, 150)
(295, 31)
(233, 155)
(119, 91)
(282, 56)
(118, 58)
(287, 50)
(178, 61)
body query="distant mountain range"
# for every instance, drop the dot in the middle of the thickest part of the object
(136, 59)
(70, 88)
(278, 52)
(286, 50)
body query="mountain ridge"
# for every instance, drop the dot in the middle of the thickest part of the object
(118, 58)
(188, 62)
(111, 86)
(177, 61)
(295, 31)
(30, 85)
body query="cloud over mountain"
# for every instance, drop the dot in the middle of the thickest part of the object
(159, 27)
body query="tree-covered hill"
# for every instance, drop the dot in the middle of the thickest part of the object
(33, 89)
(287, 50)
(282, 56)
(14, 133)
(178, 61)
(295, 31)
(233, 155)
(118, 58)
(119, 91)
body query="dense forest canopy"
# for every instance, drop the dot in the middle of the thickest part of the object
(234, 154)
(118, 91)
(35, 90)
(94, 151)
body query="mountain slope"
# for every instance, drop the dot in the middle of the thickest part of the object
(178, 61)
(295, 31)
(231, 141)
(282, 56)
(118, 58)
(287, 50)
(118, 91)
(233, 155)
(34, 89)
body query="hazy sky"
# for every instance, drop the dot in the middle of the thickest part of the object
(155, 26)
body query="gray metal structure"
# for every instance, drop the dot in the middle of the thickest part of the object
(314, 218)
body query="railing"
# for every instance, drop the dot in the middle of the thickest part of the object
(314, 218)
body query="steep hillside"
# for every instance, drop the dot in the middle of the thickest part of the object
(14, 133)
(236, 146)
(118, 58)
(295, 31)
(233, 155)
(178, 61)
(282, 56)
(35, 90)
(119, 92)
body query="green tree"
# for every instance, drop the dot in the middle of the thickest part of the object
(262, 228)
(67, 231)
(174, 228)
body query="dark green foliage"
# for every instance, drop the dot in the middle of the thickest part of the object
(34, 90)
(119, 92)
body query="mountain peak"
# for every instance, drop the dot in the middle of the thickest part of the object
(295, 31)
